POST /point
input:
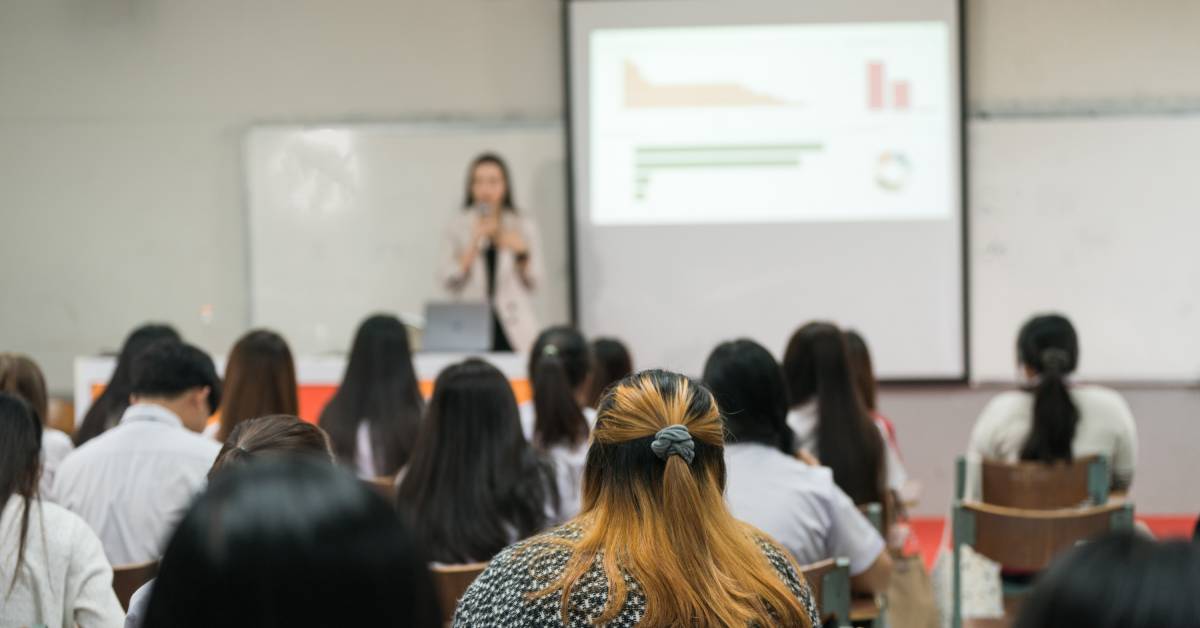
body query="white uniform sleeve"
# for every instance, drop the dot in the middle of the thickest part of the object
(851, 534)
(89, 596)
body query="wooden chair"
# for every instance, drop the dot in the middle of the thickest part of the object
(385, 486)
(451, 582)
(127, 579)
(1026, 539)
(1040, 486)
(829, 581)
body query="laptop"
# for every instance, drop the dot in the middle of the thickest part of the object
(457, 327)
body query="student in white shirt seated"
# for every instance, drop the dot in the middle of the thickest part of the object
(560, 366)
(288, 541)
(829, 418)
(474, 484)
(374, 416)
(106, 410)
(19, 375)
(770, 488)
(133, 482)
(1051, 419)
(52, 568)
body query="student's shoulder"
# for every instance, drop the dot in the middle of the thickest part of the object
(1003, 407)
(65, 524)
(1101, 400)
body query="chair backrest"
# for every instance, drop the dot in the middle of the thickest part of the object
(451, 582)
(1030, 539)
(829, 581)
(1040, 486)
(874, 513)
(127, 579)
(385, 486)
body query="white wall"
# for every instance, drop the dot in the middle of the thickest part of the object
(121, 121)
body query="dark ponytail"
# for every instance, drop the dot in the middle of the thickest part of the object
(1048, 346)
(559, 364)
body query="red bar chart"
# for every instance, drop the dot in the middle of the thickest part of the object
(877, 90)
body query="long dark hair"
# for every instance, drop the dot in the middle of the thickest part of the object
(20, 463)
(559, 364)
(473, 480)
(611, 365)
(379, 387)
(496, 160)
(748, 385)
(291, 541)
(862, 368)
(1124, 579)
(816, 367)
(107, 409)
(260, 379)
(1048, 346)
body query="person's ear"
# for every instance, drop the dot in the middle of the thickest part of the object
(200, 399)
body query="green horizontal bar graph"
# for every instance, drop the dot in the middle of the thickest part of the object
(649, 160)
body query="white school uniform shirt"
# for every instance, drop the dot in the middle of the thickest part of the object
(55, 446)
(65, 579)
(799, 505)
(133, 483)
(803, 421)
(1106, 427)
(529, 417)
(364, 452)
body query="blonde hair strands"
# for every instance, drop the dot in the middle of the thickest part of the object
(664, 522)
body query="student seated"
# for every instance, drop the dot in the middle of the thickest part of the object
(863, 371)
(1124, 579)
(21, 376)
(260, 379)
(107, 409)
(263, 437)
(767, 486)
(655, 544)
(1050, 419)
(288, 541)
(611, 363)
(374, 416)
(828, 415)
(558, 419)
(474, 484)
(52, 568)
(133, 482)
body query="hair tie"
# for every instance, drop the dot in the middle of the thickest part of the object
(1055, 360)
(674, 440)
(549, 350)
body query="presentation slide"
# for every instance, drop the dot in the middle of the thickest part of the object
(782, 123)
(742, 168)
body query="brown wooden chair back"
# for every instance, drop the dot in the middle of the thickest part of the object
(829, 581)
(1040, 486)
(451, 582)
(385, 486)
(127, 579)
(1029, 539)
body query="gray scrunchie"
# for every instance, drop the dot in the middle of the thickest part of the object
(674, 439)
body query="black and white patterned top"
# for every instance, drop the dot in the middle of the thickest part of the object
(498, 597)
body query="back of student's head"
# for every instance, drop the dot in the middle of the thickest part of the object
(862, 368)
(169, 368)
(290, 541)
(260, 379)
(106, 410)
(20, 376)
(20, 464)
(473, 480)
(1123, 580)
(748, 385)
(1048, 348)
(611, 363)
(816, 367)
(268, 436)
(560, 365)
(654, 509)
(380, 388)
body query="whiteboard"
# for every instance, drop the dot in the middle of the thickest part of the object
(1095, 218)
(345, 220)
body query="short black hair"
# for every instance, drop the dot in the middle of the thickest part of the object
(169, 368)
